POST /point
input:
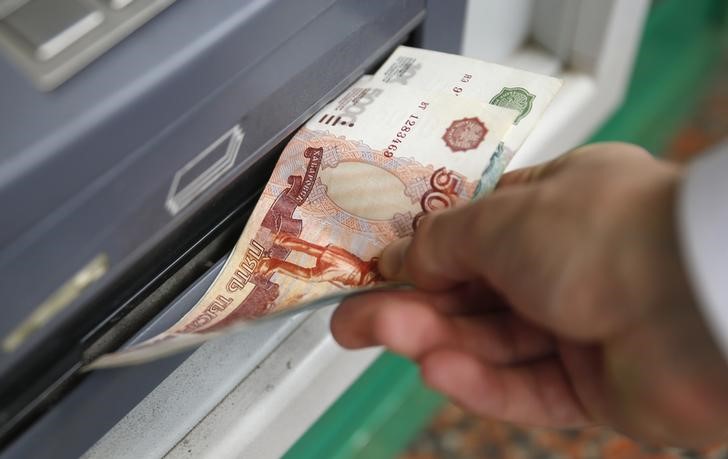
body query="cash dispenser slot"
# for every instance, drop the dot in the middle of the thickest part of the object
(47, 406)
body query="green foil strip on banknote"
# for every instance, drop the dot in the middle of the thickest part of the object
(427, 131)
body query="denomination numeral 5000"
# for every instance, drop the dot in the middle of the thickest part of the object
(443, 194)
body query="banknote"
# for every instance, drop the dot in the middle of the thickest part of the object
(526, 92)
(361, 173)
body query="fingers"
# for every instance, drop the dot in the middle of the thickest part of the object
(536, 394)
(358, 321)
(528, 240)
(469, 358)
(413, 324)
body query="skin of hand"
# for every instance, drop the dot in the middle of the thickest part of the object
(559, 300)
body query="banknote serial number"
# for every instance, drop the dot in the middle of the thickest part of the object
(458, 88)
(404, 131)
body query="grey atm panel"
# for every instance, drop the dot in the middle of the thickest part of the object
(106, 180)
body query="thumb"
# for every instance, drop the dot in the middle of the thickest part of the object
(475, 240)
(461, 244)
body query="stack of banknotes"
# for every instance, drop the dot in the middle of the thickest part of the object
(428, 130)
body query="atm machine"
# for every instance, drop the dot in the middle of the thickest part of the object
(134, 138)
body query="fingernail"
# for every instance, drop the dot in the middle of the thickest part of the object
(392, 262)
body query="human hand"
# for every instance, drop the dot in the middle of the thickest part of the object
(559, 300)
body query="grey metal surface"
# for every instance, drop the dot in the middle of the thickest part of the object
(106, 396)
(442, 29)
(264, 415)
(87, 169)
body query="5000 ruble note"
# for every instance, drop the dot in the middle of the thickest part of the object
(358, 175)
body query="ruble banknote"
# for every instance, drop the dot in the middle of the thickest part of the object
(361, 173)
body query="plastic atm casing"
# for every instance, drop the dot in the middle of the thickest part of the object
(130, 164)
